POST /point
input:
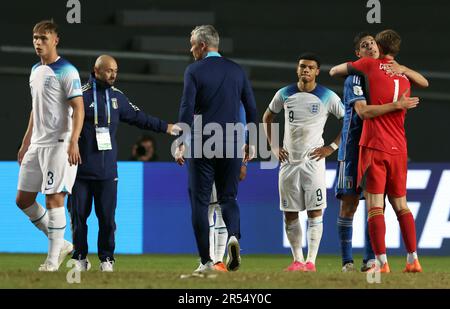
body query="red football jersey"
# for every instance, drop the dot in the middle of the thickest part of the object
(386, 132)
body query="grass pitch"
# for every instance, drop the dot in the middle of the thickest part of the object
(257, 271)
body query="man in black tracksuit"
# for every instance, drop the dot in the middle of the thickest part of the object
(105, 106)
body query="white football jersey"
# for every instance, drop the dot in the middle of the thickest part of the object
(305, 116)
(51, 87)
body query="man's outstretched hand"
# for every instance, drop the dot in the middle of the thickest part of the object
(173, 129)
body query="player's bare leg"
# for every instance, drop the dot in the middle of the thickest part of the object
(294, 235)
(408, 229)
(56, 229)
(349, 204)
(314, 236)
(377, 228)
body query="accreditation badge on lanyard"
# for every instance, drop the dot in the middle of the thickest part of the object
(102, 133)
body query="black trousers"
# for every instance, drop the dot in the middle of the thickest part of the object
(79, 203)
(202, 174)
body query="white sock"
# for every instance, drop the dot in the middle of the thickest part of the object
(294, 235)
(382, 259)
(38, 216)
(314, 235)
(410, 257)
(211, 231)
(221, 236)
(56, 229)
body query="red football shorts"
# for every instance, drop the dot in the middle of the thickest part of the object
(380, 172)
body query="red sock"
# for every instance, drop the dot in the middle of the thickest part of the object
(408, 228)
(377, 230)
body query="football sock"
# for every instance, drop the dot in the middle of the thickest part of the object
(314, 235)
(211, 230)
(368, 252)
(221, 236)
(345, 231)
(410, 257)
(56, 229)
(294, 235)
(38, 216)
(382, 258)
(408, 228)
(377, 230)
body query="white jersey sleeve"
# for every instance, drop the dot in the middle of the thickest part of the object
(277, 102)
(335, 106)
(71, 83)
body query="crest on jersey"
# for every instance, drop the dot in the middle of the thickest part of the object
(47, 81)
(314, 108)
(114, 103)
(357, 90)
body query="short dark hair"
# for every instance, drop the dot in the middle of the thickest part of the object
(389, 41)
(310, 56)
(358, 38)
(45, 26)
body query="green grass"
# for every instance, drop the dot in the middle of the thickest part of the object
(257, 271)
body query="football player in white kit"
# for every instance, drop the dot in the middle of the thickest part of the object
(49, 153)
(307, 106)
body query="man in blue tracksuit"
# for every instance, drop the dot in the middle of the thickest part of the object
(105, 106)
(214, 88)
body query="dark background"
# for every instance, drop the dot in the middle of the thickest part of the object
(250, 30)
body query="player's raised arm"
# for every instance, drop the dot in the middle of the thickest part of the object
(365, 111)
(26, 140)
(415, 77)
(339, 70)
(77, 125)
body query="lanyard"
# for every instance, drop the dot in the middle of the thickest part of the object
(94, 86)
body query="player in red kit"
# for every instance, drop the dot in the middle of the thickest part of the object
(382, 166)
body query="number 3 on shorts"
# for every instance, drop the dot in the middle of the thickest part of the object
(50, 178)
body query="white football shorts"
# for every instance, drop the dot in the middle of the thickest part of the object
(302, 186)
(47, 170)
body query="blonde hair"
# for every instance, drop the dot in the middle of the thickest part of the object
(45, 26)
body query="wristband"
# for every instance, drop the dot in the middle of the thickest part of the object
(334, 146)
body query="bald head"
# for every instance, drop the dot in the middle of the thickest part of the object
(105, 69)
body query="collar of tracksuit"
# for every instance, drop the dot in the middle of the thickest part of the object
(99, 83)
(213, 54)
